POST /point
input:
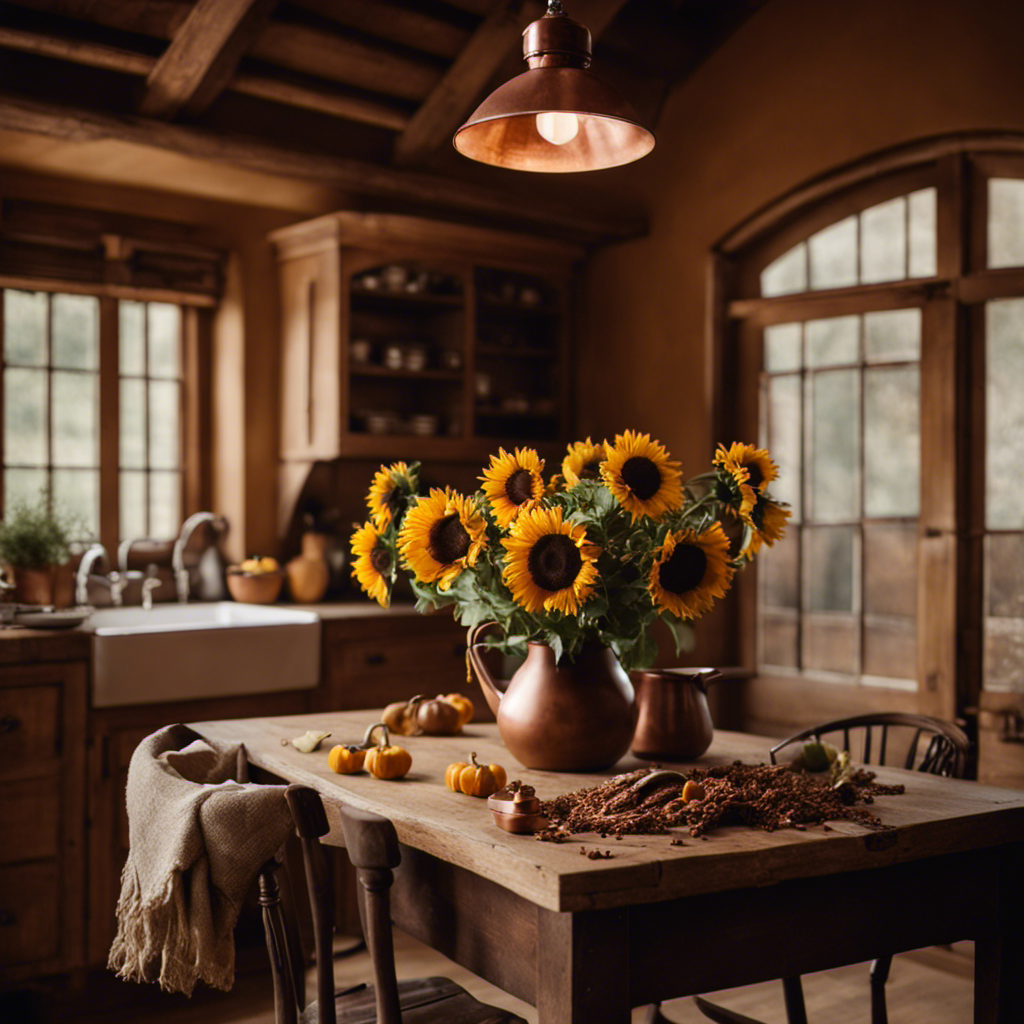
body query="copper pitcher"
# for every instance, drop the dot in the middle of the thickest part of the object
(674, 722)
(574, 718)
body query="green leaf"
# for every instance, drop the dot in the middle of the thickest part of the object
(682, 633)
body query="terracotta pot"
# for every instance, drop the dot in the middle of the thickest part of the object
(308, 574)
(34, 585)
(674, 723)
(575, 718)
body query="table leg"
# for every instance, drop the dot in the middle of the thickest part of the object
(998, 992)
(583, 967)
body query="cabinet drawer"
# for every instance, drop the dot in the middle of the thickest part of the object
(30, 819)
(29, 719)
(30, 927)
(431, 656)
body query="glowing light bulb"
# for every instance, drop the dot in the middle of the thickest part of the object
(558, 127)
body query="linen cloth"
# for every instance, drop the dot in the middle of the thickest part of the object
(199, 835)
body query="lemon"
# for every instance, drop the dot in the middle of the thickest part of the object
(251, 565)
(268, 564)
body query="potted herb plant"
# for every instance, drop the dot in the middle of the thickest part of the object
(35, 543)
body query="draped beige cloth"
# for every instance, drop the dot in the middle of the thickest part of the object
(199, 835)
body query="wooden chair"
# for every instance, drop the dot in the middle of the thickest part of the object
(372, 847)
(945, 754)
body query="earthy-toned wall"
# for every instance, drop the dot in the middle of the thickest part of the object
(802, 87)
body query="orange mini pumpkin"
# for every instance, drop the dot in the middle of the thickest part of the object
(474, 779)
(387, 761)
(346, 760)
(464, 705)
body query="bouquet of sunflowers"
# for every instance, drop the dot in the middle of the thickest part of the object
(593, 554)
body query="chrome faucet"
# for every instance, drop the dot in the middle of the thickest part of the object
(149, 584)
(114, 581)
(182, 579)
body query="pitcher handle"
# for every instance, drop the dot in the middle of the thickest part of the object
(473, 648)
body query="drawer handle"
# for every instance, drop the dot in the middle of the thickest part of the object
(376, 659)
(8, 919)
(9, 724)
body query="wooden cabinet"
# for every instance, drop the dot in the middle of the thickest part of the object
(408, 338)
(42, 818)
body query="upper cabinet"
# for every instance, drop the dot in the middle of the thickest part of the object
(409, 338)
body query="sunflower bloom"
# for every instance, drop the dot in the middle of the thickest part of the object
(751, 468)
(768, 519)
(372, 563)
(583, 462)
(390, 486)
(441, 536)
(549, 565)
(642, 477)
(690, 571)
(513, 483)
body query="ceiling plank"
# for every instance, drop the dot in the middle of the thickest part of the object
(457, 94)
(64, 122)
(202, 56)
(113, 58)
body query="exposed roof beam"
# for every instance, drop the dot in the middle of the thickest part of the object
(113, 58)
(203, 55)
(64, 122)
(457, 94)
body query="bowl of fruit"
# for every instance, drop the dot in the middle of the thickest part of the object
(257, 580)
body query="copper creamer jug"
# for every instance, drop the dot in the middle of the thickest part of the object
(674, 723)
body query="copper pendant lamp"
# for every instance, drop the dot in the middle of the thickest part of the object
(558, 116)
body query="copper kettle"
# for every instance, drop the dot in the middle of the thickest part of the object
(674, 723)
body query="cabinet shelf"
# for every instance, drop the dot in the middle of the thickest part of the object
(372, 370)
(500, 352)
(424, 300)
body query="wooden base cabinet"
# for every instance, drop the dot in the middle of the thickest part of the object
(42, 818)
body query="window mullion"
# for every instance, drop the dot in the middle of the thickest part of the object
(110, 423)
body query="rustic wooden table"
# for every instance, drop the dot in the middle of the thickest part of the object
(585, 940)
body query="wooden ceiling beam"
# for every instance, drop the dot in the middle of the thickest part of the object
(202, 56)
(458, 93)
(80, 125)
(112, 58)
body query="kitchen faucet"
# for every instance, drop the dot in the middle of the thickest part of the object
(114, 581)
(182, 580)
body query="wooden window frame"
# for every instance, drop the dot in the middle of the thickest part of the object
(951, 526)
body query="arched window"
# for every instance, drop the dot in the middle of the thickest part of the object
(872, 336)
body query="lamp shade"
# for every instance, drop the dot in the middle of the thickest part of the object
(558, 116)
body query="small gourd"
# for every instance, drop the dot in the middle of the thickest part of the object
(438, 717)
(346, 760)
(387, 761)
(474, 779)
(693, 790)
(400, 717)
(462, 703)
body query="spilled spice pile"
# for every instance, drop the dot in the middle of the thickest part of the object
(763, 796)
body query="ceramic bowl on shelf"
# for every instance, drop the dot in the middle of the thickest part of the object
(254, 587)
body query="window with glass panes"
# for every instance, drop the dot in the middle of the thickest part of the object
(54, 424)
(875, 340)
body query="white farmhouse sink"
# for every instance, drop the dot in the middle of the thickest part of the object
(184, 651)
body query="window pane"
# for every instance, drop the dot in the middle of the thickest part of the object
(133, 424)
(890, 569)
(164, 504)
(163, 424)
(24, 485)
(1004, 612)
(780, 633)
(782, 348)
(132, 329)
(1004, 472)
(778, 572)
(133, 504)
(76, 332)
(829, 562)
(892, 441)
(25, 416)
(787, 274)
(834, 442)
(76, 492)
(892, 335)
(833, 341)
(25, 328)
(922, 233)
(75, 419)
(831, 643)
(783, 439)
(164, 340)
(890, 648)
(833, 255)
(1004, 655)
(883, 242)
(1005, 222)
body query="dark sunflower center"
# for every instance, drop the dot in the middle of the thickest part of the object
(683, 570)
(380, 559)
(756, 477)
(448, 540)
(591, 470)
(519, 487)
(554, 562)
(641, 476)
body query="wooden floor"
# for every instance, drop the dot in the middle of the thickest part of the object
(918, 993)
